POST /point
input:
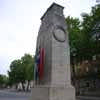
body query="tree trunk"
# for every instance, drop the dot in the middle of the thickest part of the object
(23, 86)
(28, 85)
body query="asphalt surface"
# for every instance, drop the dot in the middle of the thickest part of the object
(14, 95)
(87, 98)
(9, 95)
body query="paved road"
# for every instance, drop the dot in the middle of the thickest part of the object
(87, 98)
(8, 95)
(12, 95)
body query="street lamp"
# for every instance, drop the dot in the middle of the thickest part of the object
(73, 52)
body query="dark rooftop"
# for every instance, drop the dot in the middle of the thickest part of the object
(54, 4)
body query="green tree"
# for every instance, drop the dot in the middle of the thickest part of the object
(22, 71)
(16, 73)
(84, 36)
(75, 41)
(91, 30)
(28, 64)
(75, 37)
(3, 81)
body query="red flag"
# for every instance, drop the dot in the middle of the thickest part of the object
(41, 67)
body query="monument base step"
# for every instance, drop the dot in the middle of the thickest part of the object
(53, 93)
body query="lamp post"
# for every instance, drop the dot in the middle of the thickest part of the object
(73, 52)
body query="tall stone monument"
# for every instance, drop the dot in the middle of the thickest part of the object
(53, 37)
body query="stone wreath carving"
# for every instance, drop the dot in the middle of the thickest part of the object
(59, 34)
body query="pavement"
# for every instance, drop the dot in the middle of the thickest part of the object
(87, 98)
(13, 95)
(9, 94)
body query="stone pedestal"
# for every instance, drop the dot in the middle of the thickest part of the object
(53, 37)
(53, 93)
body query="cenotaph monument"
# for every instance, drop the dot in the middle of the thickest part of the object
(53, 78)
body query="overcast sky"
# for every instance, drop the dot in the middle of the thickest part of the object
(20, 22)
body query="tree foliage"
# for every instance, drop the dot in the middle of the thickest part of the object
(84, 38)
(91, 27)
(21, 70)
(3, 81)
(82, 43)
(76, 38)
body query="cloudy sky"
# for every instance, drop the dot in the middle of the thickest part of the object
(20, 21)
